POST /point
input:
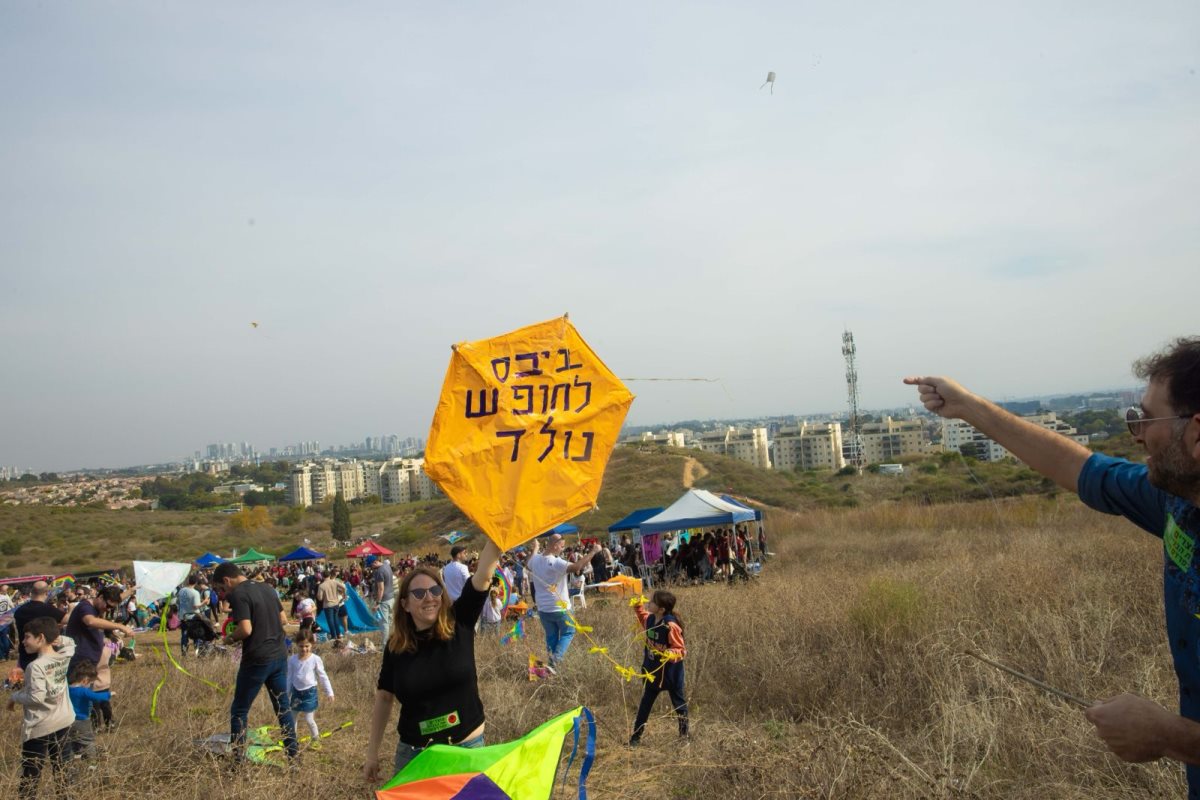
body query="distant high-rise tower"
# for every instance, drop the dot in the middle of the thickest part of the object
(852, 447)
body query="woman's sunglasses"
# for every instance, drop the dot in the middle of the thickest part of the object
(419, 594)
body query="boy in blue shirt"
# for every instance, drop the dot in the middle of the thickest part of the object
(83, 735)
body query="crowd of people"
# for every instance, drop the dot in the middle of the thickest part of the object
(427, 611)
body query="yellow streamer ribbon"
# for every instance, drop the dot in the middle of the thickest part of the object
(162, 682)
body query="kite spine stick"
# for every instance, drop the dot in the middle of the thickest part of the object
(1079, 701)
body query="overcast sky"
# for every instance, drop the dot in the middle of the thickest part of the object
(1003, 192)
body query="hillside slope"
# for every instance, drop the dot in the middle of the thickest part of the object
(47, 539)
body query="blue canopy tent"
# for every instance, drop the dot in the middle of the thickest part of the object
(739, 504)
(208, 560)
(562, 530)
(303, 554)
(632, 522)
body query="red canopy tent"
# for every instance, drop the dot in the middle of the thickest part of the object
(369, 548)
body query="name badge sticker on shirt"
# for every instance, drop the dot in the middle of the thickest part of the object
(1179, 546)
(430, 726)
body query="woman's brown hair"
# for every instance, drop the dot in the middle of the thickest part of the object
(404, 632)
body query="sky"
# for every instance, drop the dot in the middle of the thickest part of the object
(1003, 192)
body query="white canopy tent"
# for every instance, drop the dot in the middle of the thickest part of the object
(696, 509)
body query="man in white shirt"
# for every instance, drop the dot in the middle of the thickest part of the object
(455, 574)
(548, 573)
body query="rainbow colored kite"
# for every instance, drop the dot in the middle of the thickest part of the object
(63, 582)
(523, 769)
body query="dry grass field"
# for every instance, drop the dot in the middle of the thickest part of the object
(839, 674)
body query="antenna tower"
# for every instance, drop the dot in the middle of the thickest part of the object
(852, 448)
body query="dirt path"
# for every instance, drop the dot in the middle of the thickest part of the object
(693, 470)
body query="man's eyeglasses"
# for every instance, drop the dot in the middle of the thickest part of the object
(1136, 417)
(419, 594)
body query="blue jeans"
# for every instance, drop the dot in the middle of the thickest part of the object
(251, 678)
(6, 641)
(331, 622)
(406, 752)
(558, 634)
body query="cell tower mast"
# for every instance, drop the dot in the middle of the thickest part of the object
(852, 447)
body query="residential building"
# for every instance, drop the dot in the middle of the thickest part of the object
(809, 445)
(890, 439)
(745, 444)
(299, 489)
(958, 436)
(665, 438)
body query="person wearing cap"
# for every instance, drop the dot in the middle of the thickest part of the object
(548, 572)
(382, 589)
(456, 574)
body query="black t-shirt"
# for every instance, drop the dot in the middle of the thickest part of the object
(89, 642)
(600, 567)
(259, 603)
(437, 686)
(31, 609)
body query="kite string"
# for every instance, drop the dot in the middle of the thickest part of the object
(628, 673)
(685, 380)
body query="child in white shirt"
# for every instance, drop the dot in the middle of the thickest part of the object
(305, 671)
(47, 701)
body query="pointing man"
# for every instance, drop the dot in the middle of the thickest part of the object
(1160, 496)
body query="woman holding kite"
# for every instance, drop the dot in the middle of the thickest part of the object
(429, 666)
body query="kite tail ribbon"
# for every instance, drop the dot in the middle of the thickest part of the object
(589, 753)
(162, 629)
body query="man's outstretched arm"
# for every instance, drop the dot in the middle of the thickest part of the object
(1052, 454)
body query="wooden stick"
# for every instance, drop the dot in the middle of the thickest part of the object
(1079, 701)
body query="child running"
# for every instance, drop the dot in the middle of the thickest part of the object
(83, 736)
(305, 671)
(663, 659)
(47, 702)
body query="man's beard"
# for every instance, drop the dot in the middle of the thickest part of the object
(1175, 472)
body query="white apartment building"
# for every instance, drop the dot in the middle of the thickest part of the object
(403, 480)
(956, 434)
(809, 445)
(667, 438)
(299, 488)
(400, 480)
(890, 439)
(749, 445)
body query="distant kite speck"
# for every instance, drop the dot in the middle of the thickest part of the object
(254, 324)
(769, 81)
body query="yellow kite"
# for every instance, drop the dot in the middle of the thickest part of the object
(523, 428)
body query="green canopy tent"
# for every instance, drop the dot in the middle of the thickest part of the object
(251, 556)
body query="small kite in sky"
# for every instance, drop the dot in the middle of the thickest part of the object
(253, 324)
(769, 81)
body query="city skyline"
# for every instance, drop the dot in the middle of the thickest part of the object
(351, 446)
(240, 224)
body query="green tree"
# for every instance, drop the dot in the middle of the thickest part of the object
(341, 519)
